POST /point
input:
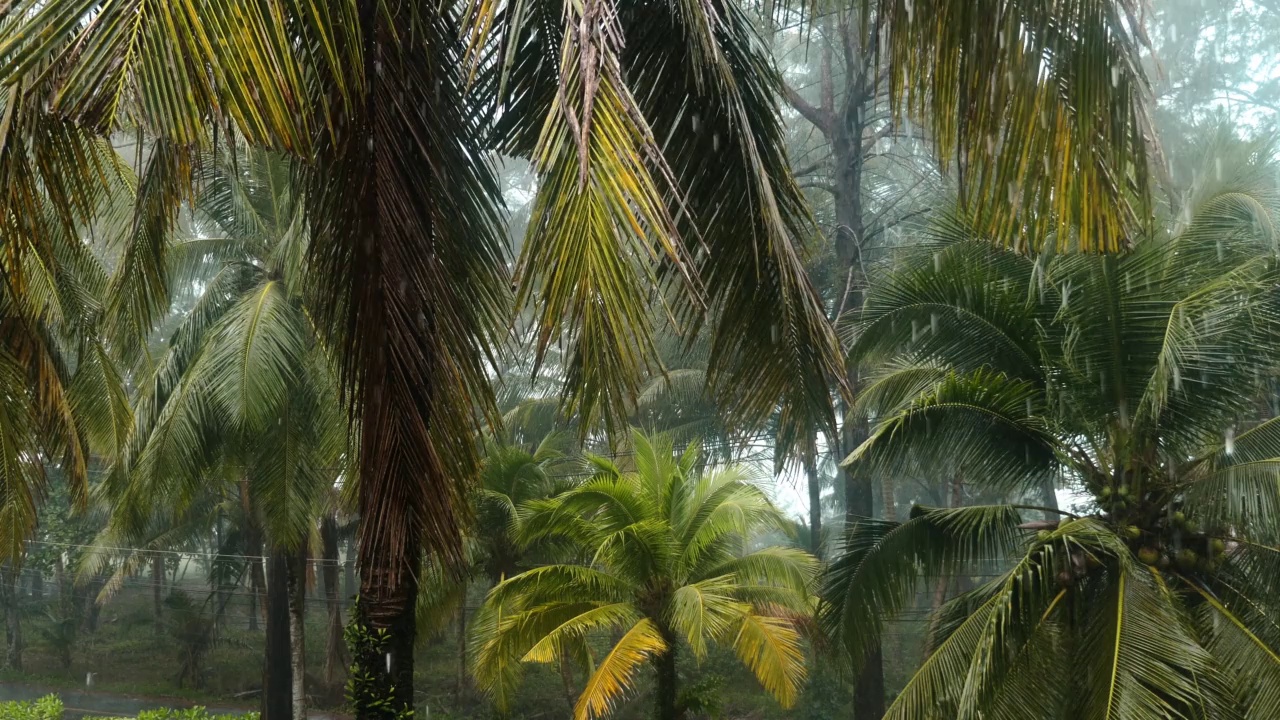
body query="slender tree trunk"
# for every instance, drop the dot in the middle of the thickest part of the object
(157, 594)
(253, 548)
(668, 691)
(93, 609)
(297, 632)
(349, 587)
(335, 651)
(460, 685)
(13, 619)
(815, 498)
(277, 669)
(566, 677)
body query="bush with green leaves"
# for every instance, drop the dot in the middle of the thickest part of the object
(48, 707)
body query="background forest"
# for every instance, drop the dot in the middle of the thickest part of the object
(653, 558)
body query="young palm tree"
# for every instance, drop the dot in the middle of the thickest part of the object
(1130, 379)
(663, 561)
(393, 105)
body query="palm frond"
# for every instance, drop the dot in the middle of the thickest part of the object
(612, 677)
(1053, 137)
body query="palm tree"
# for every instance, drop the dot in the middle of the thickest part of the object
(393, 105)
(245, 393)
(511, 476)
(663, 561)
(1128, 379)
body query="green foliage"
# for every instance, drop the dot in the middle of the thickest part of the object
(1129, 378)
(370, 692)
(661, 561)
(48, 707)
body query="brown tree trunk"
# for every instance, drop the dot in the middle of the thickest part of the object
(335, 652)
(668, 692)
(277, 668)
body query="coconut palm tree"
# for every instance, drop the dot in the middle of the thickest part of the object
(1130, 379)
(245, 395)
(663, 560)
(393, 105)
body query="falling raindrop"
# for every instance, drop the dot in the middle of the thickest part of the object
(715, 142)
(915, 330)
(697, 122)
(1102, 380)
(1177, 379)
(1001, 36)
(1115, 76)
(377, 67)
(933, 323)
(1219, 249)
(1066, 294)
(1229, 441)
(773, 332)
(937, 262)
(1173, 33)
(1217, 168)
(1128, 284)
(1124, 414)
(369, 143)
(1029, 407)
(388, 663)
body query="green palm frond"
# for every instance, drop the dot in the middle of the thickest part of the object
(1053, 141)
(988, 426)
(883, 561)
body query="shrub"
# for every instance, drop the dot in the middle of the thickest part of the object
(48, 707)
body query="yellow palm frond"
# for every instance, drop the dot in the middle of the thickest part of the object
(770, 647)
(612, 677)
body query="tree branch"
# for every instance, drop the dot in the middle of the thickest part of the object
(806, 110)
(820, 185)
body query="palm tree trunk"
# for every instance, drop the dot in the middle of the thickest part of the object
(335, 651)
(13, 620)
(157, 593)
(888, 490)
(297, 632)
(667, 698)
(253, 548)
(277, 669)
(1049, 499)
(815, 498)
(387, 665)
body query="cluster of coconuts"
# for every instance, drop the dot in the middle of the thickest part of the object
(1193, 550)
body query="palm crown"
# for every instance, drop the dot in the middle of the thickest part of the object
(661, 558)
(1129, 378)
(244, 389)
